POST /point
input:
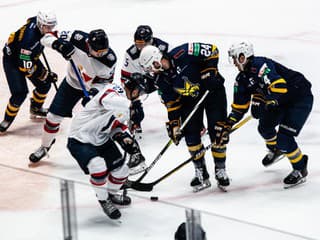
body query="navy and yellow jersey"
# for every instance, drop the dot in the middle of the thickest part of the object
(271, 81)
(24, 48)
(194, 68)
(79, 40)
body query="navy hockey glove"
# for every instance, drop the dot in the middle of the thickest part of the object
(92, 92)
(222, 131)
(136, 112)
(257, 106)
(51, 77)
(271, 105)
(64, 47)
(174, 132)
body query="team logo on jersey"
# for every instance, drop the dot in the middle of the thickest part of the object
(263, 73)
(162, 47)
(25, 51)
(111, 57)
(189, 89)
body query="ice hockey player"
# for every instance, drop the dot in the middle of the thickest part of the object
(96, 61)
(285, 100)
(21, 60)
(91, 142)
(182, 77)
(143, 36)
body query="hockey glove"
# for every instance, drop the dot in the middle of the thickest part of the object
(222, 130)
(51, 77)
(271, 105)
(257, 106)
(92, 92)
(64, 47)
(136, 112)
(174, 132)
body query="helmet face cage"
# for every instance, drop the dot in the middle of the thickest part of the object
(150, 59)
(46, 19)
(143, 34)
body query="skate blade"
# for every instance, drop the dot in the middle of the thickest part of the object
(276, 160)
(138, 169)
(301, 181)
(204, 185)
(37, 118)
(222, 188)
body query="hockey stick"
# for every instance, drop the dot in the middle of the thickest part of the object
(76, 70)
(164, 149)
(148, 187)
(49, 69)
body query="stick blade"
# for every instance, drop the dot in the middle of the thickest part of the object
(138, 186)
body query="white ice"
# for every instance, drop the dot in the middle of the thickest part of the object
(256, 205)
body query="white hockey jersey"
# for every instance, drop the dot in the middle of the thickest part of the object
(92, 69)
(104, 115)
(131, 59)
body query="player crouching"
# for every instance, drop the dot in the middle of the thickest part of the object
(91, 142)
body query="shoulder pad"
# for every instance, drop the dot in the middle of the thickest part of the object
(133, 52)
(109, 60)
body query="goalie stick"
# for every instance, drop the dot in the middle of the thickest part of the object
(148, 187)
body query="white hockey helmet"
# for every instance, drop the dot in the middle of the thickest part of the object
(46, 18)
(242, 48)
(150, 59)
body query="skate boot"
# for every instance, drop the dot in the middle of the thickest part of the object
(274, 155)
(4, 125)
(109, 209)
(136, 130)
(201, 180)
(120, 199)
(136, 163)
(222, 178)
(40, 153)
(37, 112)
(297, 177)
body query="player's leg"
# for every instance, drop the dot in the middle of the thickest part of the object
(216, 110)
(18, 89)
(62, 105)
(94, 165)
(290, 128)
(39, 95)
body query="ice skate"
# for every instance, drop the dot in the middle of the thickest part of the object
(40, 153)
(37, 112)
(136, 164)
(4, 125)
(120, 199)
(109, 209)
(222, 179)
(272, 157)
(297, 177)
(201, 180)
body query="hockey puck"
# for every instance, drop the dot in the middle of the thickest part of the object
(154, 198)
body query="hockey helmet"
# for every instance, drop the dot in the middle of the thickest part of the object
(238, 49)
(136, 81)
(181, 233)
(46, 19)
(98, 42)
(143, 33)
(150, 59)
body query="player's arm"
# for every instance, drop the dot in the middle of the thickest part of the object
(276, 85)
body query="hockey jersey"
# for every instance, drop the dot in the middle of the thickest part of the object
(24, 48)
(271, 80)
(194, 68)
(105, 115)
(93, 70)
(131, 59)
